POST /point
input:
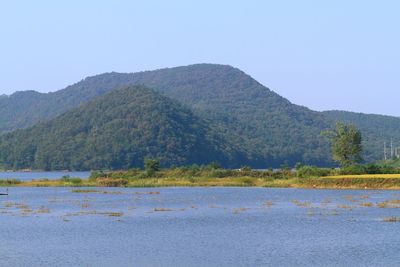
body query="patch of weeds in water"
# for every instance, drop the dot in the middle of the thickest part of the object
(350, 198)
(268, 203)
(22, 206)
(43, 210)
(239, 210)
(334, 213)
(85, 205)
(345, 207)
(326, 201)
(26, 212)
(305, 204)
(366, 204)
(147, 193)
(389, 204)
(162, 209)
(391, 219)
(9, 204)
(104, 213)
(86, 191)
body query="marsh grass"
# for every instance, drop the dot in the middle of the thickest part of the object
(268, 203)
(345, 207)
(389, 181)
(94, 212)
(95, 191)
(389, 204)
(43, 210)
(305, 204)
(9, 182)
(147, 193)
(203, 177)
(391, 219)
(85, 191)
(239, 210)
(162, 209)
(366, 204)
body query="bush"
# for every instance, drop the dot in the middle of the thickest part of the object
(96, 174)
(110, 182)
(213, 166)
(247, 181)
(369, 169)
(65, 178)
(75, 181)
(151, 166)
(9, 182)
(245, 169)
(312, 171)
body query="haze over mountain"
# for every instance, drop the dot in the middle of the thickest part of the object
(254, 125)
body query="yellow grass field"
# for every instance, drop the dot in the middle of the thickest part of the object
(369, 176)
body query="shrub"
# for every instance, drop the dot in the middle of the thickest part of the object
(245, 169)
(247, 181)
(75, 181)
(110, 182)
(65, 178)
(312, 171)
(9, 182)
(151, 166)
(369, 169)
(96, 174)
(213, 166)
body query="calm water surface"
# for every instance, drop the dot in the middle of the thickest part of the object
(198, 227)
(27, 176)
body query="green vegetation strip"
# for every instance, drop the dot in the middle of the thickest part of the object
(212, 175)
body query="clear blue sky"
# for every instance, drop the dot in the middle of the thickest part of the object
(322, 54)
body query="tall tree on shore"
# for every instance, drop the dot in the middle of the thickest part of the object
(346, 144)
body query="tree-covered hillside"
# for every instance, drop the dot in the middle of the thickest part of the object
(266, 128)
(376, 129)
(117, 130)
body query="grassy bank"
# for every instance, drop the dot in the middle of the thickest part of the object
(353, 177)
(384, 181)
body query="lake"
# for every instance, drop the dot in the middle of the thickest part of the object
(198, 227)
(27, 176)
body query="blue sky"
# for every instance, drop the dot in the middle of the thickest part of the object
(320, 54)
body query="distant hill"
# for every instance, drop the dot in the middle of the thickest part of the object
(258, 127)
(117, 130)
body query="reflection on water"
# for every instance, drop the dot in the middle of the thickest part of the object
(198, 227)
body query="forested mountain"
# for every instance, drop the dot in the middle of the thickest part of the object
(257, 126)
(117, 130)
(266, 127)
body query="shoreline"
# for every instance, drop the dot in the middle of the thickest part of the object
(351, 182)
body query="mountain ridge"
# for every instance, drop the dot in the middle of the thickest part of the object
(264, 126)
